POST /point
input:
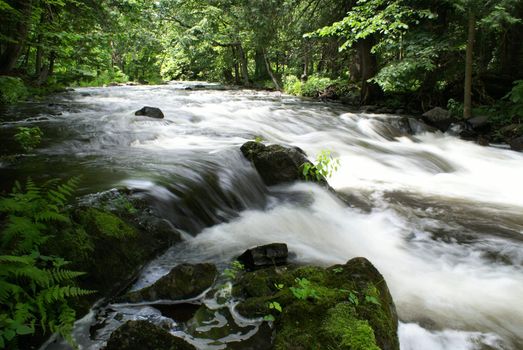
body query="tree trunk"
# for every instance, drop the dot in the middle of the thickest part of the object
(369, 67)
(39, 56)
(260, 68)
(269, 70)
(467, 98)
(18, 30)
(47, 71)
(243, 65)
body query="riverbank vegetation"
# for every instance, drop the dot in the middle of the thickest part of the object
(405, 54)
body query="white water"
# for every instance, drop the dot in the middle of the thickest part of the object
(441, 218)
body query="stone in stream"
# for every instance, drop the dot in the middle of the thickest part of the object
(345, 306)
(266, 255)
(276, 164)
(182, 282)
(439, 118)
(151, 112)
(143, 335)
(516, 144)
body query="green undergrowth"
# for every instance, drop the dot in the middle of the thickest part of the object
(342, 307)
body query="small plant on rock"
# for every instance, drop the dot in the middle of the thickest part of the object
(326, 165)
(232, 272)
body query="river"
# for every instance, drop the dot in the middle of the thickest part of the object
(441, 218)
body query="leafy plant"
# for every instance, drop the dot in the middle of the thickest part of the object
(304, 290)
(34, 288)
(12, 90)
(353, 298)
(232, 272)
(28, 138)
(273, 305)
(325, 167)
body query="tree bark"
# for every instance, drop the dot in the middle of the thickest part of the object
(19, 30)
(243, 65)
(269, 70)
(369, 67)
(467, 98)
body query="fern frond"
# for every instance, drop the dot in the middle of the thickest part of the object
(49, 216)
(58, 293)
(61, 275)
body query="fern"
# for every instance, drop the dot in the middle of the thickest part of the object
(35, 289)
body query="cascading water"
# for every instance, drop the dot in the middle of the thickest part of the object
(441, 218)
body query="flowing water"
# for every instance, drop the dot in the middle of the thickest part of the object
(441, 218)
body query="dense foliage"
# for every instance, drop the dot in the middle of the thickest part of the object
(34, 288)
(421, 53)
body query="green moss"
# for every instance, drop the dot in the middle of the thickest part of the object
(318, 312)
(109, 225)
(347, 331)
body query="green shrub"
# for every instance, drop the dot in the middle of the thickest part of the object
(315, 85)
(34, 288)
(292, 85)
(12, 90)
(28, 138)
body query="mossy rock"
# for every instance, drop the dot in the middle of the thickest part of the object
(141, 335)
(314, 300)
(107, 225)
(275, 163)
(182, 282)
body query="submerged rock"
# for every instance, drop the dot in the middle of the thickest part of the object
(418, 127)
(516, 144)
(275, 164)
(151, 112)
(142, 335)
(183, 282)
(342, 307)
(439, 118)
(266, 255)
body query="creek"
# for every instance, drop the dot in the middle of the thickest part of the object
(441, 218)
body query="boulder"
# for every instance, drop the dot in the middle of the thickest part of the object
(275, 164)
(439, 118)
(182, 282)
(418, 127)
(516, 144)
(342, 307)
(141, 335)
(151, 112)
(265, 255)
(479, 123)
(511, 131)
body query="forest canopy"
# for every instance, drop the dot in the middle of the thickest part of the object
(426, 52)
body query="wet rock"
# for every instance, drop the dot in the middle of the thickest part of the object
(516, 144)
(142, 335)
(479, 123)
(439, 118)
(151, 112)
(343, 306)
(182, 282)
(418, 127)
(265, 255)
(275, 164)
(511, 131)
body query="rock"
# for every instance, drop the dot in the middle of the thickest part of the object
(511, 131)
(151, 112)
(439, 118)
(516, 144)
(143, 335)
(275, 164)
(479, 123)
(183, 282)
(368, 108)
(342, 307)
(265, 255)
(418, 127)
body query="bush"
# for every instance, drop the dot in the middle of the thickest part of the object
(313, 87)
(12, 90)
(28, 138)
(105, 78)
